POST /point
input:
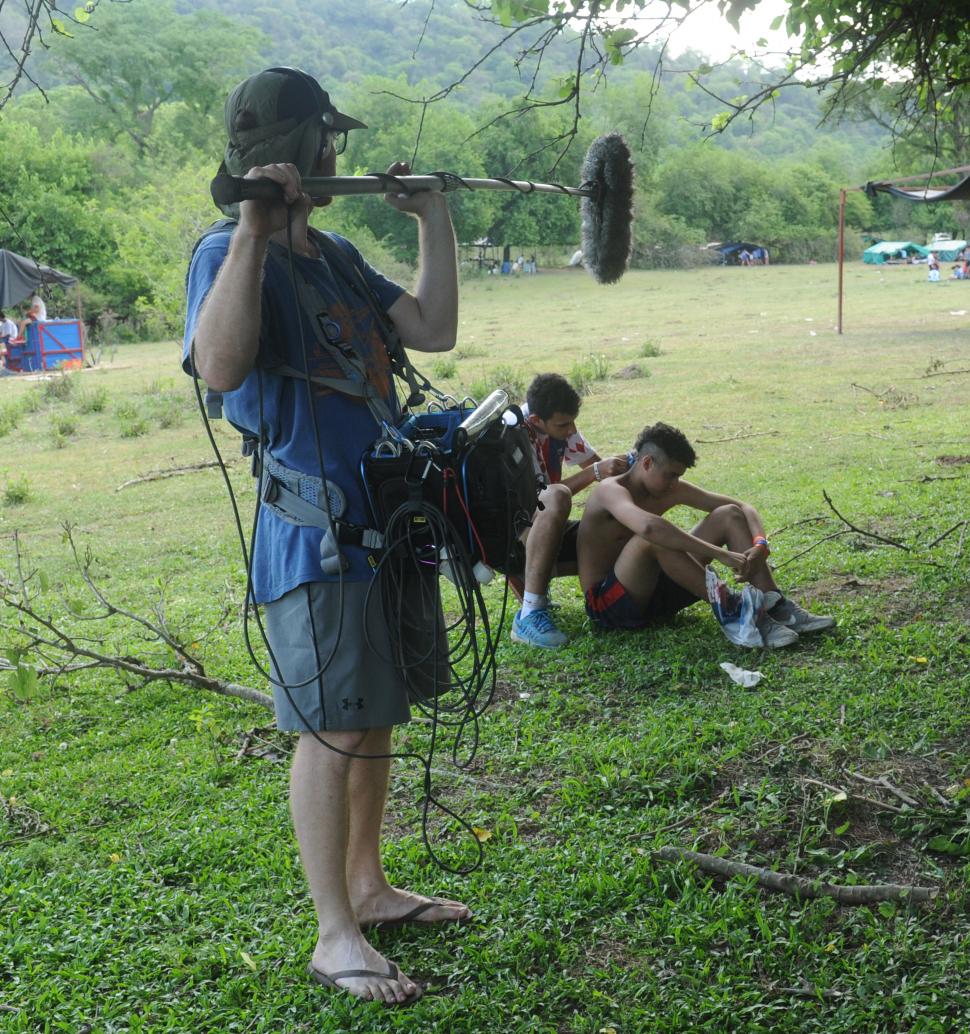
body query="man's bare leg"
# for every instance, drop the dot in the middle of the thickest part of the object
(545, 537)
(319, 804)
(372, 897)
(726, 526)
(639, 564)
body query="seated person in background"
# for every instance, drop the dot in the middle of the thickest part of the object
(637, 568)
(551, 408)
(8, 331)
(36, 313)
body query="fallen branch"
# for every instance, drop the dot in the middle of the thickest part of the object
(174, 472)
(859, 531)
(944, 373)
(47, 647)
(887, 785)
(799, 886)
(735, 437)
(948, 532)
(859, 797)
(813, 546)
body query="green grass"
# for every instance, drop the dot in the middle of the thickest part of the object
(150, 878)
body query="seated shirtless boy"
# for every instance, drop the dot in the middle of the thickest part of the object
(637, 568)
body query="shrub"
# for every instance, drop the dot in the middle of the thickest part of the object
(9, 417)
(445, 368)
(586, 372)
(501, 377)
(93, 400)
(131, 422)
(16, 492)
(650, 349)
(63, 424)
(59, 388)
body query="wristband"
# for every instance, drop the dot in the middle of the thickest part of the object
(760, 540)
(596, 471)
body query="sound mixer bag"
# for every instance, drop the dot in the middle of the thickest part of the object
(485, 487)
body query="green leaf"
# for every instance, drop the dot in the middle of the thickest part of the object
(776, 23)
(720, 120)
(887, 909)
(60, 28)
(44, 581)
(81, 14)
(944, 845)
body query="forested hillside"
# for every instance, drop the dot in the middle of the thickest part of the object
(112, 160)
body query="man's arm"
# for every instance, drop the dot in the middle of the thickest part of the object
(660, 532)
(700, 499)
(593, 466)
(227, 333)
(427, 318)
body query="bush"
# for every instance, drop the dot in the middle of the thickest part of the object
(586, 372)
(16, 492)
(91, 401)
(59, 388)
(9, 417)
(501, 377)
(650, 349)
(131, 421)
(445, 368)
(63, 425)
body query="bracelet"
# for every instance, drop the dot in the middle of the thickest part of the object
(760, 540)
(596, 471)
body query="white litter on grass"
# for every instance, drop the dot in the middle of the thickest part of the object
(812, 333)
(741, 676)
(959, 312)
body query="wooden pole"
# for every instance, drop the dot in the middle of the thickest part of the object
(841, 254)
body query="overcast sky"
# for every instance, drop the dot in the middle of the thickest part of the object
(708, 32)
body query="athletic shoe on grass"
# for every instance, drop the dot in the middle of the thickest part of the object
(537, 629)
(787, 612)
(773, 634)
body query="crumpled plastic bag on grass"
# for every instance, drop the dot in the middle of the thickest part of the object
(742, 676)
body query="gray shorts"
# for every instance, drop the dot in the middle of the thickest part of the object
(365, 684)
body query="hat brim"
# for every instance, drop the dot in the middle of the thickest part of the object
(342, 121)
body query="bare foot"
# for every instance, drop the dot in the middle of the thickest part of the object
(374, 977)
(392, 907)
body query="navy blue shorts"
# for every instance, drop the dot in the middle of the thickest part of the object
(610, 605)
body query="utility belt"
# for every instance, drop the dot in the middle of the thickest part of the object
(298, 498)
(474, 465)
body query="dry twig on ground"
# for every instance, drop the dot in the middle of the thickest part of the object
(799, 886)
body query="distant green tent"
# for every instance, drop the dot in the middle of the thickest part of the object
(886, 250)
(947, 251)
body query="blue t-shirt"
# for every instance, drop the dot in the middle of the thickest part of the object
(286, 555)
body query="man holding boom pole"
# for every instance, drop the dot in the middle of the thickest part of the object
(281, 319)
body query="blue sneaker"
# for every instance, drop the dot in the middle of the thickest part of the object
(737, 612)
(537, 629)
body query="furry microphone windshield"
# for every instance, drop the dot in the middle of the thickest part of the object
(608, 213)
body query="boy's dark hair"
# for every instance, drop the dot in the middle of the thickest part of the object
(551, 393)
(665, 442)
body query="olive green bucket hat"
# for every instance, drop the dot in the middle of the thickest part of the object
(279, 115)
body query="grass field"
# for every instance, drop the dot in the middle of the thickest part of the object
(149, 875)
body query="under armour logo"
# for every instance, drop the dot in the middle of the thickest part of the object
(347, 703)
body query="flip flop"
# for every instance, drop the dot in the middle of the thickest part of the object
(329, 980)
(414, 917)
